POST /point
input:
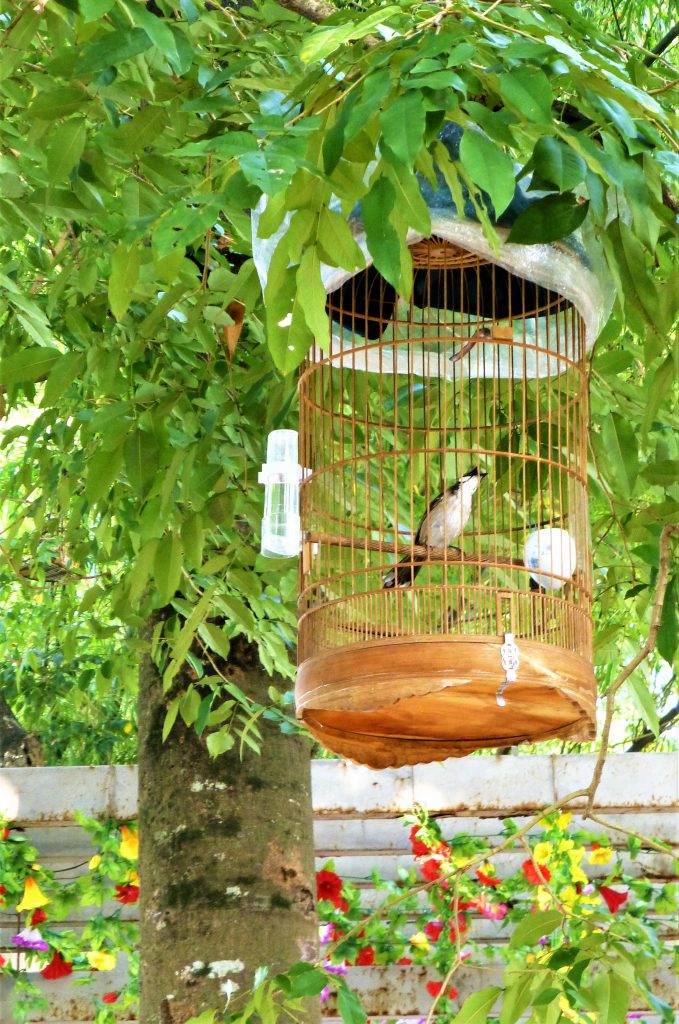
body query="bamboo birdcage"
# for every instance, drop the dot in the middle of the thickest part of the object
(480, 369)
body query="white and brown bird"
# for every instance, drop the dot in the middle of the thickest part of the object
(442, 523)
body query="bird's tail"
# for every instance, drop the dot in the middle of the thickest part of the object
(403, 574)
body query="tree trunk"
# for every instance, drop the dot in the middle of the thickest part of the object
(226, 859)
(18, 748)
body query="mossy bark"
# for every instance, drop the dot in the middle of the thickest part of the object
(226, 859)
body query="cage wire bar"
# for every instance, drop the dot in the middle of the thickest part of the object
(479, 370)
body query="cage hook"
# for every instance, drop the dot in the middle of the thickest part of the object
(509, 655)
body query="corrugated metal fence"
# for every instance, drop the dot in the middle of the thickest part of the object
(357, 823)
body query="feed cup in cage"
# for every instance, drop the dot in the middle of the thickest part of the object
(553, 554)
(281, 475)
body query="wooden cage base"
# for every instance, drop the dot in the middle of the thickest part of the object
(387, 703)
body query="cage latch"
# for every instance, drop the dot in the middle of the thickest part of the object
(509, 655)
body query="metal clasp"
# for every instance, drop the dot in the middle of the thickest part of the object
(509, 656)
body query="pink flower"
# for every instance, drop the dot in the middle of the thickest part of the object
(494, 911)
(29, 938)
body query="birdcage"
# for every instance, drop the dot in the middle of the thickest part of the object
(424, 635)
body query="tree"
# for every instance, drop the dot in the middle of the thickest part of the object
(136, 139)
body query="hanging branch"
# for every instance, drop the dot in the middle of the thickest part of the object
(667, 720)
(313, 10)
(669, 530)
(666, 41)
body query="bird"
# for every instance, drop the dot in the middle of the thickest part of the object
(442, 523)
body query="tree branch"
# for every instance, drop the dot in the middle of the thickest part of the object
(313, 10)
(669, 530)
(666, 41)
(647, 737)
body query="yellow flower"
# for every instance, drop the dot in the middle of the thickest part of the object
(461, 862)
(127, 728)
(542, 854)
(567, 1010)
(601, 856)
(94, 862)
(564, 820)
(578, 875)
(420, 941)
(575, 856)
(101, 959)
(129, 846)
(35, 867)
(487, 868)
(33, 898)
(568, 895)
(132, 878)
(565, 845)
(530, 958)
(543, 898)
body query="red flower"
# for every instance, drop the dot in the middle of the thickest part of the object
(4, 834)
(329, 887)
(435, 987)
(420, 849)
(486, 879)
(431, 869)
(110, 997)
(536, 875)
(2, 960)
(365, 957)
(126, 893)
(405, 961)
(38, 916)
(3, 890)
(433, 929)
(613, 899)
(443, 850)
(343, 906)
(57, 968)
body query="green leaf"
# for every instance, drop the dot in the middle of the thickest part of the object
(534, 926)
(56, 103)
(189, 706)
(62, 375)
(67, 143)
(518, 993)
(111, 50)
(336, 244)
(528, 91)
(141, 461)
(489, 167)
(180, 647)
(658, 390)
(556, 165)
(643, 701)
(144, 127)
(610, 997)
(28, 365)
(311, 295)
(324, 40)
(402, 126)
(170, 717)
(668, 634)
(663, 473)
(215, 638)
(167, 568)
(124, 275)
(219, 742)
(102, 470)
(476, 1007)
(349, 1006)
(382, 239)
(410, 209)
(308, 983)
(227, 144)
(548, 220)
(618, 454)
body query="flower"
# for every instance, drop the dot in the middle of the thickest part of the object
(419, 941)
(433, 929)
(543, 852)
(600, 854)
(531, 873)
(335, 968)
(613, 898)
(94, 862)
(431, 869)
(101, 959)
(405, 961)
(365, 957)
(37, 917)
(420, 848)
(564, 820)
(325, 933)
(485, 874)
(110, 997)
(32, 896)
(29, 938)
(2, 960)
(126, 893)
(57, 968)
(494, 911)
(132, 878)
(129, 845)
(435, 988)
(568, 895)
(329, 887)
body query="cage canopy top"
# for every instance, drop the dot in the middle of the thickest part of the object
(571, 269)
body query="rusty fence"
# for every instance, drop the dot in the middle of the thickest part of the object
(358, 824)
